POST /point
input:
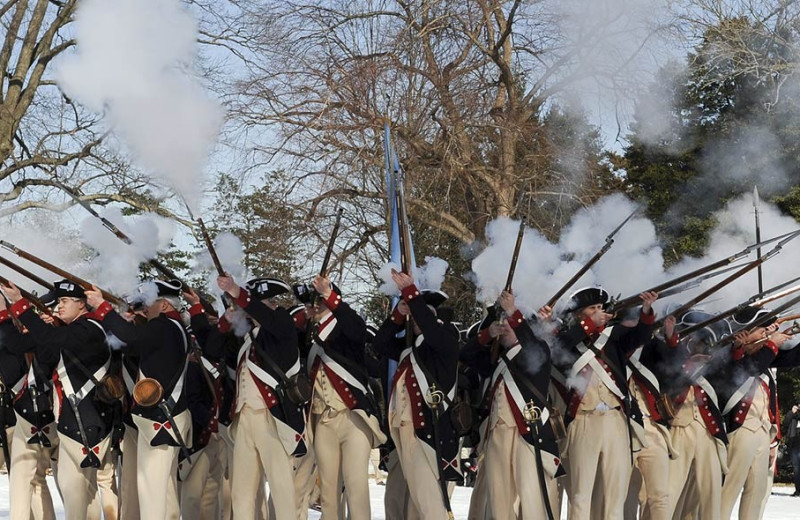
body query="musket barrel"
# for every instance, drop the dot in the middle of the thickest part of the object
(329, 250)
(28, 296)
(588, 265)
(24, 272)
(210, 246)
(512, 269)
(60, 272)
(762, 320)
(753, 302)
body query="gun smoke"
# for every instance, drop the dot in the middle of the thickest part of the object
(130, 65)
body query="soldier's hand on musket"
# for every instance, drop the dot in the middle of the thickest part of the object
(402, 308)
(778, 338)
(740, 338)
(402, 280)
(322, 285)
(48, 318)
(507, 303)
(12, 292)
(669, 326)
(598, 316)
(94, 297)
(648, 298)
(545, 313)
(507, 335)
(496, 328)
(190, 296)
(773, 328)
(3, 304)
(228, 284)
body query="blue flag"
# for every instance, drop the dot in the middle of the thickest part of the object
(393, 172)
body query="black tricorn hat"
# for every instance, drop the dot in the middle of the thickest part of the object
(750, 315)
(263, 288)
(371, 332)
(63, 289)
(305, 292)
(585, 297)
(433, 298)
(297, 308)
(168, 287)
(66, 289)
(472, 330)
(492, 315)
(711, 333)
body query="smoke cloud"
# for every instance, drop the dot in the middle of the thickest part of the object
(129, 65)
(116, 266)
(634, 262)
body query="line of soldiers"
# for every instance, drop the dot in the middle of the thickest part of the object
(166, 410)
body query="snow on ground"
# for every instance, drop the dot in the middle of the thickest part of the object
(781, 505)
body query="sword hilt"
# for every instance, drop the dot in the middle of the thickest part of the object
(531, 413)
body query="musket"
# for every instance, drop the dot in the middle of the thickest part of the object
(323, 271)
(24, 272)
(60, 272)
(691, 284)
(329, 250)
(210, 246)
(760, 321)
(755, 301)
(756, 202)
(495, 350)
(405, 245)
(157, 264)
(193, 344)
(736, 275)
(36, 302)
(789, 331)
(634, 299)
(609, 241)
(85, 205)
(784, 319)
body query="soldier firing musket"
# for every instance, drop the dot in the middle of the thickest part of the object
(85, 426)
(160, 410)
(520, 453)
(343, 414)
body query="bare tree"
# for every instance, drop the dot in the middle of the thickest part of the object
(47, 140)
(467, 86)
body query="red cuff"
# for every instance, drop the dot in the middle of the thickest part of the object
(516, 319)
(196, 309)
(589, 327)
(300, 318)
(772, 346)
(21, 306)
(672, 341)
(4, 315)
(244, 298)
(397, 317)
(647, 319)
(102, 311)
(333, 301)
(737, 353)
(410, 292)
(223, 325)
(483, 337)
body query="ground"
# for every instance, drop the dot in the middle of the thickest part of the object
(781, 506)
